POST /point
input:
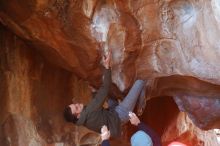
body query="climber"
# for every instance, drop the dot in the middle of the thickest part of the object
(145, 136)
(94, 116)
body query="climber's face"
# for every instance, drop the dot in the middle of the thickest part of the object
(76, 109)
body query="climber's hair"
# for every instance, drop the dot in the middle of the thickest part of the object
(69, 116)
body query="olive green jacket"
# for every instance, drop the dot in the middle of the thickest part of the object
(94, 116)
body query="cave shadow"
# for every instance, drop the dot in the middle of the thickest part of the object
(158, 114)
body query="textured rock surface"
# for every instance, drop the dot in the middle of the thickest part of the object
(172, 43)
(181, 129)
(197, 98)
(33, 95)
(170, 37)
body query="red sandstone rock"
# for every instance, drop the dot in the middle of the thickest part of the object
(182, 130)
(172, 43)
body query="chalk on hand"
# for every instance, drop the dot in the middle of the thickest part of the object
(130, 114)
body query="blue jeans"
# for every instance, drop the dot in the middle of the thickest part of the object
(130, 100)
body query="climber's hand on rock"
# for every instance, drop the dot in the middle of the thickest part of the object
(107, 60)
(134, 119)
(105, 133)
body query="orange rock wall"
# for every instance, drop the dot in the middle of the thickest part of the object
(33, 96)
(54, 46)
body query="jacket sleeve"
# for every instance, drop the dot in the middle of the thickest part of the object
(101, 94)
(154, 136)
(105, 143)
